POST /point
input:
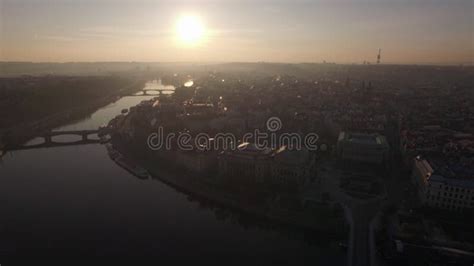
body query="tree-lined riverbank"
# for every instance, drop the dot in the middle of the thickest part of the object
(30, 105)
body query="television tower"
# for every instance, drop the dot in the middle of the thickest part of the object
(378, 56)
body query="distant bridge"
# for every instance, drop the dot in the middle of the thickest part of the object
(48, 141)
(147, 92)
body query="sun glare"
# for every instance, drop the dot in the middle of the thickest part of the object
(190, 29)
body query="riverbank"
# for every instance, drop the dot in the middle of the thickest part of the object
(204, 187)
(23, 131)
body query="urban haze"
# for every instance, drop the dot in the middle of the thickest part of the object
(237, 132)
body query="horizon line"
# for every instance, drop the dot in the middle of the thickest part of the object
(246, 62)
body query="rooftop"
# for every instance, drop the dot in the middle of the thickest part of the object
(362, 138)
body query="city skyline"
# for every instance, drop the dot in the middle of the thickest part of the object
(408, 32)
(310, 132)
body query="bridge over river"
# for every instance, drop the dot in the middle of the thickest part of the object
(86, 137)
(153, 92)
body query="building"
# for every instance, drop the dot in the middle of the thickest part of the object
(291, 168)
(195, 161)
(362, 147)
(249, 164)
(436, 189)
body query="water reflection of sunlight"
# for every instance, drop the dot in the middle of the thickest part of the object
(157, 85)
(188, 83)
(153, 92)
(35, 141)
(104, 114)
(66, 138)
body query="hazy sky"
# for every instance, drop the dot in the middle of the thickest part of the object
(342, 31)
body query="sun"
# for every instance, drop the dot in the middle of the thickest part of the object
(190, 29)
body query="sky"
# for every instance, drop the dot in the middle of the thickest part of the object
(341, 31)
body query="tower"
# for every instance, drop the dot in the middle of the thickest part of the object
(378, 56)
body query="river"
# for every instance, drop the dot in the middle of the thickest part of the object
(76, 201)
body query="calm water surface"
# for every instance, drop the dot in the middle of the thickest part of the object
(75, 200)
